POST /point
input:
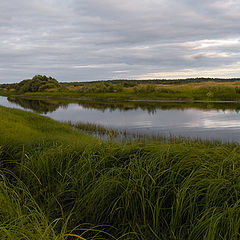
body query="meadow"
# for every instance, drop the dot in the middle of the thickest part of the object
(189, 91)
(60, 183)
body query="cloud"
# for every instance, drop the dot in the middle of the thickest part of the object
(77, 40)
(229, 71)
(213, 43)
(214, 55)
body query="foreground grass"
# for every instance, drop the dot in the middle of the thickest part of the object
(57, 183)
(210, 91)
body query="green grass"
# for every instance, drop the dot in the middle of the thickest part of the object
(57, 181)
(210, 91)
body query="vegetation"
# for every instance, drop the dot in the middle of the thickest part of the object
(37, 84)
(181, 90)
(101, 87)
(58, 183)
(133, 83)
(208, 91)
(121, 135)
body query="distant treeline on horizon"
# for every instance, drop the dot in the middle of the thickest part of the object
(157, 81)
(148, 81)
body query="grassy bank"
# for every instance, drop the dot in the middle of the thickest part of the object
(210, 91)
(57, 183)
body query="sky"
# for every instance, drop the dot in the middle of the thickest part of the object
(85, 40)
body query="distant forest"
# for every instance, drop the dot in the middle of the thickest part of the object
(156, 81)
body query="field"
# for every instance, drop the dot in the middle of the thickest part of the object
(59, 183)
(192, 91)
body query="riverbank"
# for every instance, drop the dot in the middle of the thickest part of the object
(57, 182)
(193, 92)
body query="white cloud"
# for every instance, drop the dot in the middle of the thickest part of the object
(229, 71)
(211, 43)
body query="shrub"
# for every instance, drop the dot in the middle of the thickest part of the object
(149, 88)
(36, 84)
(101, 87)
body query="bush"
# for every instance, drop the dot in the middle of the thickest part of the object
(149, 88)
(129, 84)
(36, 84)
(101, 87)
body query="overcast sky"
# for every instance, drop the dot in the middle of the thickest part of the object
(81, 40)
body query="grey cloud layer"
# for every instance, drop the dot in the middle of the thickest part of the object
(76, 40)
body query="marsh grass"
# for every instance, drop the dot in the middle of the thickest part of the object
(64, 183)
(127, 136)
(122, 135)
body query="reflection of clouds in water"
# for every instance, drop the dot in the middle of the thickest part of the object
(162, 119)
(142, 124)
(221, 124)
(73, 106)
(213, 119)
(227, 119)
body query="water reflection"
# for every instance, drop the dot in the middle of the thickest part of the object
(202, 120)
(38, 106)
(50, 105)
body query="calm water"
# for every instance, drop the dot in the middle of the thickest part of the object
(206, 121)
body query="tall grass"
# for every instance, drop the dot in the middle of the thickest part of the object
(63, 182)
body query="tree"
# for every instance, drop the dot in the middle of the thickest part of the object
(36, 84)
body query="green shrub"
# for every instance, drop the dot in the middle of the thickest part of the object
(101, 87)
(149, 88)
(36, 84)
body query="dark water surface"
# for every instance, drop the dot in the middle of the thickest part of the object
(219, 121)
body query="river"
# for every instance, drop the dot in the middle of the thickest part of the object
(212, 121)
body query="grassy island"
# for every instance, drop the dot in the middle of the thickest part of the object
(59, 183)
(173, 90)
